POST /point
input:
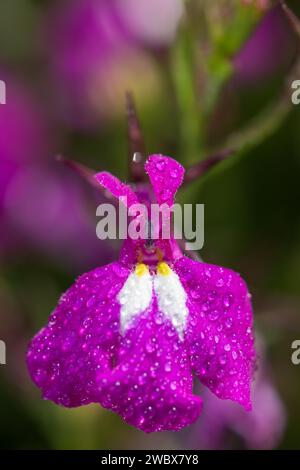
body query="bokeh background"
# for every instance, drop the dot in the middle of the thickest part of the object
(207, 76)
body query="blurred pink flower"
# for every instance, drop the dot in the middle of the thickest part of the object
(151, 22)
(23, 136)
(55, 213)
(256, 60)
(261, 429)
(98, 49)
(43, 206)
(23, 140)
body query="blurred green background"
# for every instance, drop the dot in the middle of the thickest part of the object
(207, 76)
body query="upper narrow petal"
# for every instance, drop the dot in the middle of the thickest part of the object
(117, 188)
(166, 176)
(219, 332)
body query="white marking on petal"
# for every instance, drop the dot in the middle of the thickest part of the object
(172, 298)
(134, 297)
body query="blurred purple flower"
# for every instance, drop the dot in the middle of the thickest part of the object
(269, 49)
(42, 205)
(23, 135)
(55, 213)
(97, 51)
(261, 429)
(23, 140)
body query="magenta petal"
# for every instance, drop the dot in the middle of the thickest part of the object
(116, 187)
(166, 176)
(219, 333)
(151, 387)
(80, 338)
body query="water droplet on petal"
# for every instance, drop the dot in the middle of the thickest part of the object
(196, 292)
(223, 359)
(227, 300)
(165, 194)
(91, 301)
(160, 165)
(212, 295)
(173, 386)
(158, 319)
(214, 315)
(234, 355)
(171, 333)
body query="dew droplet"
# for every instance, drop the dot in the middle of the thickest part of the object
(150, 348)
(173, 386)
(223, 359)
(212, 295)
(91, 301)
(158, 319)
(196, 292)
(165, 194)
(214, 315)
(227, 300)
(228, 322)
(160, 165)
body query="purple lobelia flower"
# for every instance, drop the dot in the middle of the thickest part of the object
(130, 335)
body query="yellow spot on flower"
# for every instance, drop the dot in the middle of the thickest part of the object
(141, 269)
(163, 268)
